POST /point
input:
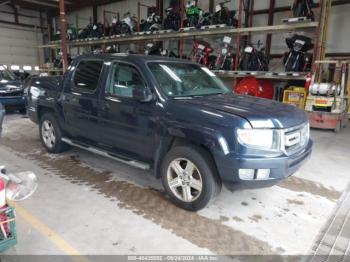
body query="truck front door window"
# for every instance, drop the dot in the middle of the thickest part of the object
(87, 75)
(125, 79)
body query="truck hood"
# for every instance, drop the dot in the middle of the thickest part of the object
(6, 85)
(261, 113)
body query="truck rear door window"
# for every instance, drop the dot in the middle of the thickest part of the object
(87, 74)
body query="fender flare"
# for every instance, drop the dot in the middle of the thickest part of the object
(207, 138)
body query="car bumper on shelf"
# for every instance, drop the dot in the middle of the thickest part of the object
(280, 167)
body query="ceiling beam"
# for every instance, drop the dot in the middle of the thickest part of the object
(79, 4)
(5, 3)
(39, 5)
(19, 14)
(46, 4)
(21, 24)
(66, 2)
(31, 6)
(287, 8)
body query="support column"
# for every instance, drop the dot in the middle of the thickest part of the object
(270, 22)
(211, 6)
(250, 20)
(238, 40)
(138, 16)
(63, 35)
(94, 14)
(15, 13)
(182, 17)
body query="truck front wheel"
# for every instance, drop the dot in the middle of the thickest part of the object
(51, 134)
(189, 177)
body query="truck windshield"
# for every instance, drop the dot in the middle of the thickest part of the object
(186, 80)
(6, 75)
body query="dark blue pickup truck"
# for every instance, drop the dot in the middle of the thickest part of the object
(174, 117)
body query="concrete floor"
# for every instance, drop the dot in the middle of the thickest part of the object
(89, 205)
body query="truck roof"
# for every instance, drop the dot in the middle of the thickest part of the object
(134, 57)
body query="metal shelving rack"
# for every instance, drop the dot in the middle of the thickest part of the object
(238, 33)
(172, 35)
(262, 75)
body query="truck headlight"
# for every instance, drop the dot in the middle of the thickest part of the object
(260, 138)
(305, 134)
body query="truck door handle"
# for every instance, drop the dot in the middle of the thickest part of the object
(63, 98)
(106, 107)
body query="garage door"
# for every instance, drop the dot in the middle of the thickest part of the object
(17, 45)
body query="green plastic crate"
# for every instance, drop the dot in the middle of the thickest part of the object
(11, 239)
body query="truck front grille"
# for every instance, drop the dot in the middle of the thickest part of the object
(295, 139)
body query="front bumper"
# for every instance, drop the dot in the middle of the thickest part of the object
(280, 167)
(13, 101)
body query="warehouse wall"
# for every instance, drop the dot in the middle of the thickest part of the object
(17, 42)
(123, 7)
(80, 18)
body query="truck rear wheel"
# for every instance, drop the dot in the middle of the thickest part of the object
(51, 134)
(189, 177)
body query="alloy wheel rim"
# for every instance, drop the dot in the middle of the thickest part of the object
(48, 134)
(184, 180)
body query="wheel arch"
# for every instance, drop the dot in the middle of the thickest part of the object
(171, 140)
(41, 110)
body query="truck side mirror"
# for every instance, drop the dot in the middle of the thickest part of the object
(142, 94)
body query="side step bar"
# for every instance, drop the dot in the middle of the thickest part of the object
(134, 163)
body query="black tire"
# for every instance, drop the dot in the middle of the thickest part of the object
(244, 64)
(290, 64)
(298, 10)
(57, 146)
(193, 21)
(211, 183)
(227, 65)
(264, 61)
(211, 61)
(311, 16)
(22, 111)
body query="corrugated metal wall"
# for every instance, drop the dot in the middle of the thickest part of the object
(17, 44)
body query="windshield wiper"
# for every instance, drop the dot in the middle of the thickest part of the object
(213, 94)
(182, 97)
(197, 95)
